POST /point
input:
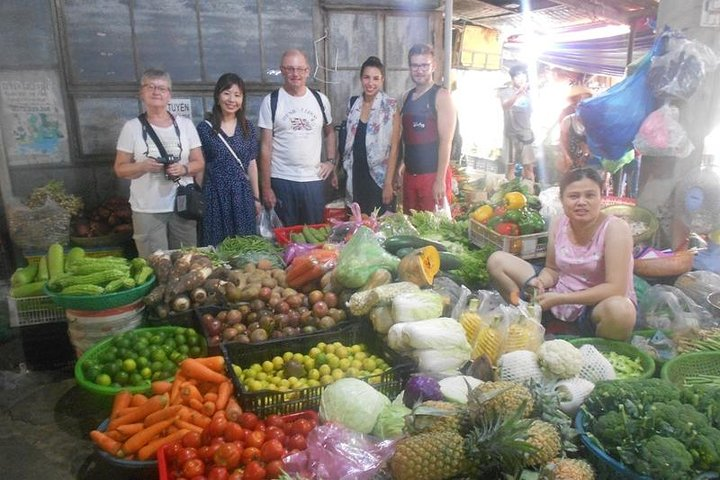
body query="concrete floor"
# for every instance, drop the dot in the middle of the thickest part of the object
(45, 417)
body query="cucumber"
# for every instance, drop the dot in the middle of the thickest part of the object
(393, 244)
(403, 251)
(449, 261)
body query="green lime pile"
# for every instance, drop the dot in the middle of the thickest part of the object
(141, 356)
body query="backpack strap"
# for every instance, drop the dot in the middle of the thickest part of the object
(274, 101)
(316, 93)
(353, 99)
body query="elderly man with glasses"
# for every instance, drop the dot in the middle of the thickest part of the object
(428, 122)
(293, 121)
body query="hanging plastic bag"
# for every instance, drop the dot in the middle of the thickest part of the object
(442, 209)
(362, 256)
(662, 135)
(335, 452)
(613, 118)
(698, 285)
(267, 222)
(679, 71)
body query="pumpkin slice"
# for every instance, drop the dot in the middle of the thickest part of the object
(420, 266)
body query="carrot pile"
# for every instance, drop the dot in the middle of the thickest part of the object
(139, 425)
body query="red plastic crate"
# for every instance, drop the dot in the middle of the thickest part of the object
(165, 473)
(282, 234)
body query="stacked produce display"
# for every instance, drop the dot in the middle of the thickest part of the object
(386, 328)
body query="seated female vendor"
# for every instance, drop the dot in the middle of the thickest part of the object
(588, 272)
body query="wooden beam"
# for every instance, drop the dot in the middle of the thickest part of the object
(598, 10)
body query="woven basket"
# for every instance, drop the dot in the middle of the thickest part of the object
(689, 364)
(631, 213)
(677, 264)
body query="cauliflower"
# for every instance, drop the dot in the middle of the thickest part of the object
(560, 358)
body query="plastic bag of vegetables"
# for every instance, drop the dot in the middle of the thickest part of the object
(362, 255)
(352, 403)
(436, 333)
(414, 306)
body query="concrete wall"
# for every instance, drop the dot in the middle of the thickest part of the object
(69, 69)
(698, 115)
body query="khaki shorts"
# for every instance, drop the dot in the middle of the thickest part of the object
(162, 231)
(516, 151)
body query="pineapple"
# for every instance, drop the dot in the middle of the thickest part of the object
(434, 415)
(567, 469)
(511, 397)
(498, 446)
(524, 333)
(488, 340)
(429, 456)
(546, 440)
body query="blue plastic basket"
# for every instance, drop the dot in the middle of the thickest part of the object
(605, 465)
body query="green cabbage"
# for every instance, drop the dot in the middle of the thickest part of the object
(391, 421)
(353, 404)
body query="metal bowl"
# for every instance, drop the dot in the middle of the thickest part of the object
(714, 301)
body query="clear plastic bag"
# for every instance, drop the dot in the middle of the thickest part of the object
(662, 135)
(678, 72)
(267, 222)
(362, 256)
(698, 285)
(524, 331)
(337, 453)
(668, 308)
(442, 209)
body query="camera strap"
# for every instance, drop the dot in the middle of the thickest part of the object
(148, 130)
(221, 134)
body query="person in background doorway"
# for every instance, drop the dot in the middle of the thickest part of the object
(574, 150)
(231, 190)
(518, 133)
(372, 119)
(588, 274)
(152, 185)
(428, 122)
(293, 122)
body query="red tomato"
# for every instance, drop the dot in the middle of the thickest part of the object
(250, 454)
(198, 477)
(261, 426)
(248, 420)
(274, 469)
(192, 439)
(193, 467)
(274, 421)
(297, 442)
(275, 432)
(218, 473)
(255, 439)
(254, 471)
(206, 453)
(286, 428)
(217, 441)
(240, 445)
(185, 454)
(234, 431)
(236, 475)
(172, 450)
(217, 425)
(227, 455)
(272, 450)
(301, 426)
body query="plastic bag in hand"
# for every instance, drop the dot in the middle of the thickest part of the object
(662, 135)
(337, 453)
(267, 222)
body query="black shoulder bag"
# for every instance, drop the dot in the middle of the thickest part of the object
(189, 201)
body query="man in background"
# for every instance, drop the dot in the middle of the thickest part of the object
(518, 134)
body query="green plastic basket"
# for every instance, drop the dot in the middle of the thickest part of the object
(98, 349)
(101, 302)
(621, 348)
(689, 364)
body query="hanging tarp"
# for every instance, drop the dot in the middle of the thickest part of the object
(598, 56)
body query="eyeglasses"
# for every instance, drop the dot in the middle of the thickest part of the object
(420, 66)
(294, 69)
(156, 88)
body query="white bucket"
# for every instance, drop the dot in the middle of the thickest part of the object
(86, 328)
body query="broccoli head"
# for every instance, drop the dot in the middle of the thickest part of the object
(664, 458)
(675, 419)
(706, 399)
(608, 394)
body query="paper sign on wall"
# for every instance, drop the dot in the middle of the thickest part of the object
(33, 118)
(180, 107)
